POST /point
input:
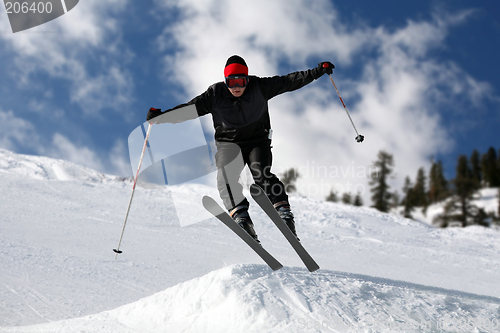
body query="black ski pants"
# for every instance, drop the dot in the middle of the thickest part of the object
(231, 159)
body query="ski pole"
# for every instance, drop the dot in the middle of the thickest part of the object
(358, 138)
(117, 250)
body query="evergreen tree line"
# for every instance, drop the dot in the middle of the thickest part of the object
(346, 198)
(472, 173)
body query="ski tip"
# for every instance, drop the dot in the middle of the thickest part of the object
(313, 269)
(205, 199)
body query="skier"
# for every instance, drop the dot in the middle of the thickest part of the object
(242, 125)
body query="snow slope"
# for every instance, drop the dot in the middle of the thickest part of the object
(380, 273)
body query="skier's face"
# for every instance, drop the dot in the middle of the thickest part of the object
(237, 91)
(237, 84)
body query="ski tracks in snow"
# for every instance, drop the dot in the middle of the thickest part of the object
(40, 305)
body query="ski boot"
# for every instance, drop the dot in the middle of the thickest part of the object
(286, 215)
(240, 215)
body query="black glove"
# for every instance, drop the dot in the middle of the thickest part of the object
(326, 67)
(152, 113)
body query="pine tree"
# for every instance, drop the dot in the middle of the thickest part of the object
(465, 187)
(358, 201)
(498, 166)
(498, 169)
(381, 194)
(408, 201)
(346, 198)
(490, 168)
(460, 207)
(289, 178)
(438, 185)
(498, 196)
(419, 190)
(332, 197)
(475, 165)
(395, 200)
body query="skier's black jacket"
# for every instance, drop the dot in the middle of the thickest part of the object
(245, 119)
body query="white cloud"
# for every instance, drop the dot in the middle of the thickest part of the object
(15, 130)
(265, 32)
(20, 132)
(61, 147)
(110, 90)
(83, 47)
(118, 161)
(84, 50)
(394, 103)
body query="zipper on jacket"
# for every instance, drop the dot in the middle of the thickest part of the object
(240, 107)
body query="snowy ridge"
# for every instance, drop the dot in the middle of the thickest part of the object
(379, 272)
(252, 298)
(45, 168)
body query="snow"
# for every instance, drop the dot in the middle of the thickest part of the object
(379, 273)
(44, 168)
(249, 298)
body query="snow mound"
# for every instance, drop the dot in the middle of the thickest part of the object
(252, 298)
(46, 168)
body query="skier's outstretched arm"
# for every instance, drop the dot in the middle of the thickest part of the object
(197, 107)
(273, 86)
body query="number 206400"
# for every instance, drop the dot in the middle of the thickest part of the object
(25, 8)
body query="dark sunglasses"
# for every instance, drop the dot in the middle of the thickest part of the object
(236, 81)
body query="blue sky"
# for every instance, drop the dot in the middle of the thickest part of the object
(420, 79)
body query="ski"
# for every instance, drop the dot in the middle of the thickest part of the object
(261, 198)
(216, 210)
